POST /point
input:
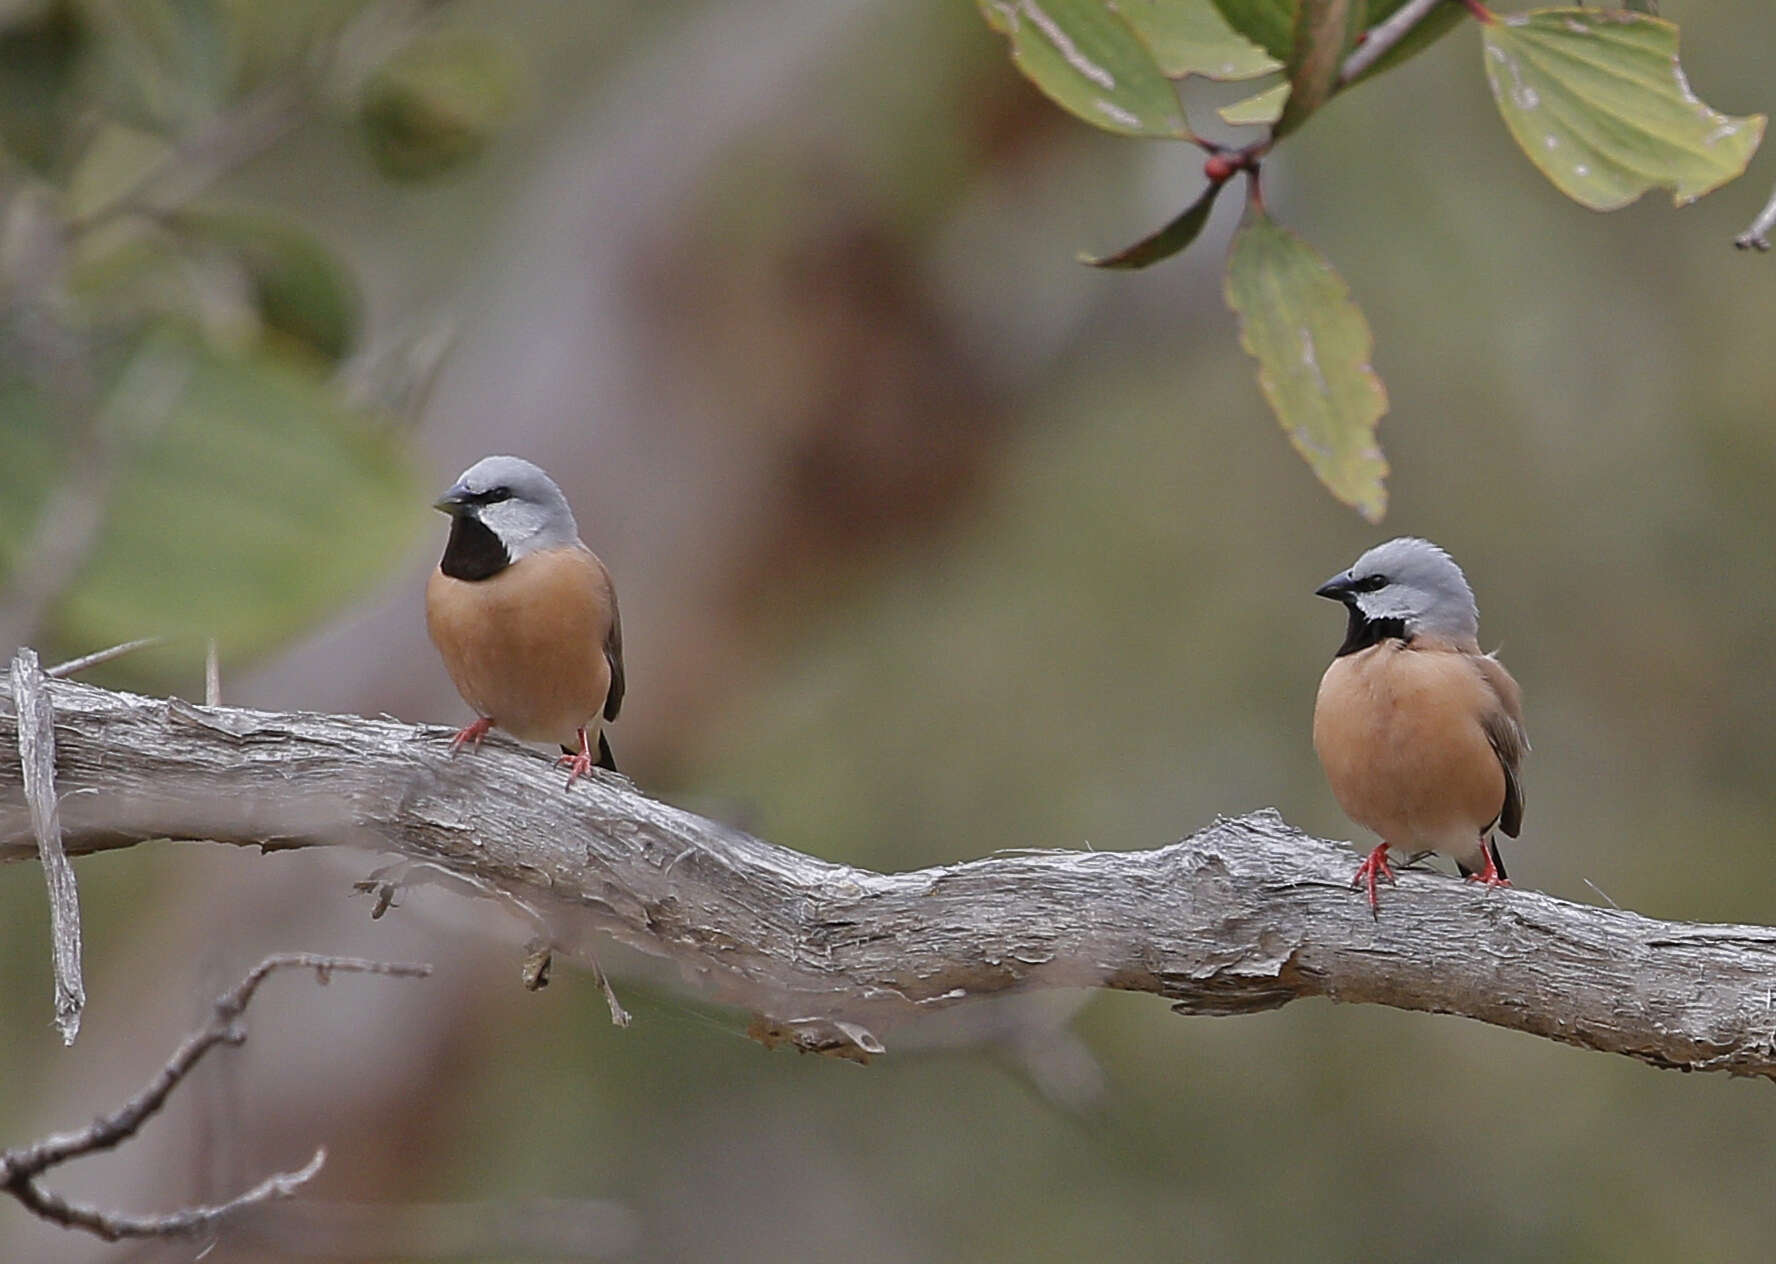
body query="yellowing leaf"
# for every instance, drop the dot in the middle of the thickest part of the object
(1313, 347)
(1599, 103)
(1259, 109)
(1190, 37)
(1090, 62)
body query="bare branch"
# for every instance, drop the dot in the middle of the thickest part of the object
(1757, 237)
(1384, 37)
(36, 750)
(20, 1168)
(1245, 915)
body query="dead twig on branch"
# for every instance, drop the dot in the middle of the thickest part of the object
(36, 752)
(1246, 915)
(20, 1168)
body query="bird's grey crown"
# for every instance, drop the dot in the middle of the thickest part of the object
(534, 516)
(1424, 589)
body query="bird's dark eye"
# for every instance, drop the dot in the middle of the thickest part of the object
(1369, 583)
(492, 496)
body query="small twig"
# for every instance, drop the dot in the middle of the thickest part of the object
(1757, 237)
(212, 675)
(20, 1168)
(1383, 38)
(36, 745)
(1605, 894)
(74, 666)
(619, 1016)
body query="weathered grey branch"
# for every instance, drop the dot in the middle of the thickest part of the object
(36, 753)
(21, 1167)
(1245, 915)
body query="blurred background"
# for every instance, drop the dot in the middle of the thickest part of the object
(930, 542)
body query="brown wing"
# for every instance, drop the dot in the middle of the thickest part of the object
(613, 654)
(1504, 729)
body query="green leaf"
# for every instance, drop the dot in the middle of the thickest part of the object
(1168, 241)
(246, 502)
(302, 291)
(1325, 30)
(1598, 101)
(1270, 24)
(1258, 110)
(1313, 347)
(1089, 61)
(438, 102)
(1190, 37)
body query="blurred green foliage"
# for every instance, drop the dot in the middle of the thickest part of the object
(438, 102)
(172, 351)
(1118, 645)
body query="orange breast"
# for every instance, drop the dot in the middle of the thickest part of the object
(1399, 733)
(526, 647)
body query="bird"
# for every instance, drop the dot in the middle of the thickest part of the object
(1421, 735)
(525, 616)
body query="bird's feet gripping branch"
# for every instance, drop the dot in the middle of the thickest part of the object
(579, 763)
(1375, 868)
(1492, 873)
(471, 734)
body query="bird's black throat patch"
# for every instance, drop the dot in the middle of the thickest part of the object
(1362, 631)
(473, 551)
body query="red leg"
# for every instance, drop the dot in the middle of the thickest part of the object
(1375, 867)
(579, 765)
(472, 734)
(1489, 875)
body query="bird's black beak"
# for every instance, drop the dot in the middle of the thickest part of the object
(1338, 588)
(454, 502)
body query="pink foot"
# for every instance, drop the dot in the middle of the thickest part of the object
(1490, 875)
(579, 765)
(472, 734)
(1375, 867)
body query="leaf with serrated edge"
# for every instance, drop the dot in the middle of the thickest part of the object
(1190, 37)
(1089, 61)
(1599, 103)
(1168, 241)
(1313, 347)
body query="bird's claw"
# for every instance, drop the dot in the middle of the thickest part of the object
(578, 765)
(1489, 876)
(472, 734)
(1373, 869)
